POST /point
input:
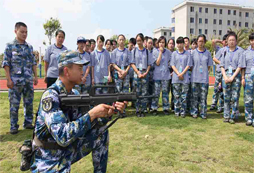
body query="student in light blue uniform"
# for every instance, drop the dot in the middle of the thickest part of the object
(141, 63)
(218, 93)
(100, 66)
(248, 82)
(131, 46)
(181, 61)
(50, 58)
(202, 61)
(85, 85)
(161, 76)
(231, 65)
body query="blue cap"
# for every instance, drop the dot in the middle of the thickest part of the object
(81, 39)
(70, 57)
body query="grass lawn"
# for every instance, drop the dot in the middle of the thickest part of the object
(152, 144)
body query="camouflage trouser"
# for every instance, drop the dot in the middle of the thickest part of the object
(122, 85)
(180, 92)
(83, 89)
(101, 90)
(218, 94)
(142, 90)
(199, 93)
(231, 93)
(61, 161)
(15, 93)
(150, 91)
(248, 96)
(158, 86)
(189, 95)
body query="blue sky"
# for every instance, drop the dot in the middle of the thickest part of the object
(87, 18)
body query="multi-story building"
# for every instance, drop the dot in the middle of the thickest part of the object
(162, 31)
(192, 18)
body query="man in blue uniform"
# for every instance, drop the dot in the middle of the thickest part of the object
(19, 64)
(65, 135)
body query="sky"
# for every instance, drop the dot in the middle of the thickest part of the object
(87, 18)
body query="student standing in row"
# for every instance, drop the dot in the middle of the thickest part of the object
(248, 82)
(150, 49)
(141, 63)
(231, 64)
(93, 45)
(108, 45)
(171, 48)
(50, 58)
(161, 76)
(202, 61)
(131, 46)
(100, 66)
(181, 61)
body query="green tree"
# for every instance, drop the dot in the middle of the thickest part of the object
(51, 26)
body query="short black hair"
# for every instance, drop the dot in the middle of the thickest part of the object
(113, 41)
(133, 41)
(108, 40)
(202, 35)
(59, 31)
(225, 37)
(172, 40)
(251, 36)
(141, 36)
(61, 69)
(92, 41)
(146, 38)
(19, 24)
(100, 37)
(186, 38)
(194, 40)
(149, 38)
(154, 41)
(232, 33)
(162, 38)
(120, 36)
(180, 40)
(89, 41)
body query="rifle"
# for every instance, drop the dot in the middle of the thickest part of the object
(86, 101)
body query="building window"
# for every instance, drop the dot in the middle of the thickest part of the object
(234, 12)
(220, 32)
(200, 9)
(215, 11)
(234, 23)
(240, 14)
(220, 22)
(173, 20)
(191, 31)
(206, 10)
(165, 33)
(246, 24)
(240, 24)
(214, 21)
(214, 32)
(173, 29)
(246, 14)
(220, 11)
(200, 31)
(200, 20)
(228, 22)
(229, 12)
(191, 9)
(191, 20)
(206, 31)
(206, 21)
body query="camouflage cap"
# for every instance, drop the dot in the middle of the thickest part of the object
(70, 57)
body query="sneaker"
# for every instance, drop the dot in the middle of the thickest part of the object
(183, 115)
(14, 131)
(249, 122)
(142, 114)
(194, 116)
(212, 108)
(154, 112)
(138, 114)
(219, 111)
(204, 117)
(145, 111)
(231, 121)
(177, 115)
(226, 120)
(166, 112)
(29, 126)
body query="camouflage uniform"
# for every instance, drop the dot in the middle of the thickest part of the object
(180, 92)
(158, 85)
(218, 95)
(70, 130)
(248, 96)
(20, 59)
(122, 85)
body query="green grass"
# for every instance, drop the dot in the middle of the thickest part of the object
(152, 144)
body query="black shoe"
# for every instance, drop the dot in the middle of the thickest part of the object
(154, 112)
(138, 114)
(166, 112)
(29, 126)
(212, 108)
(14, 131)
(226, 120)
(145, 111)
(183, 115)
(142, 114)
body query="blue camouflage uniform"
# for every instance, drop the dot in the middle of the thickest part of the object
(181, 87)
(141, 59)
(249, 84)
(67, 128)
(218, 94)
(200, 81)
(161, 77)
(230, 62)
(20, 59)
